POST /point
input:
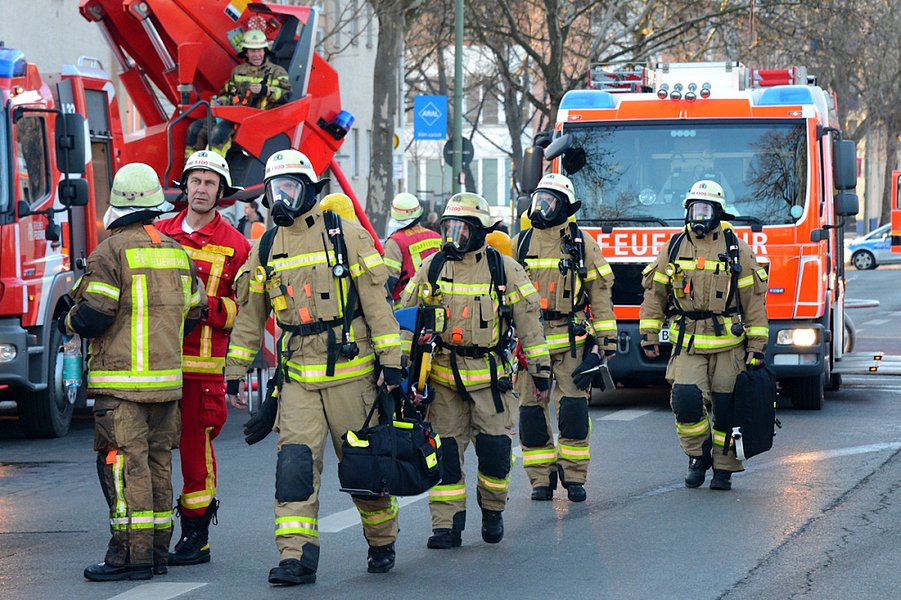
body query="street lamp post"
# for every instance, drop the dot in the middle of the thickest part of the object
(458, 97)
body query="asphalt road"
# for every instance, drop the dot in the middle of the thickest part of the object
(817, 517)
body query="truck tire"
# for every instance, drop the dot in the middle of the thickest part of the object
(48, 413)
(806, 393)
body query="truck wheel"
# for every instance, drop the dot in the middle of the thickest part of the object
(48, 413)
(806, 392)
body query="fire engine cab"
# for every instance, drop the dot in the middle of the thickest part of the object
(61, 142)
(638, 138)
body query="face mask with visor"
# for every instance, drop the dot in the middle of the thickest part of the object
(702, 217)
(456, 236)
(289, 197)
(546, 209)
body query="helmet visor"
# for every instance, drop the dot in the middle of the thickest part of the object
(456, 233)
(544, 203)
(287, 190)
(700, 211)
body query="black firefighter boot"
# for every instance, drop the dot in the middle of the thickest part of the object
(492, 526)
(544, 493)
(698, 465)
(380, 559)
(445, 539)
(722, 480)
(193, 547)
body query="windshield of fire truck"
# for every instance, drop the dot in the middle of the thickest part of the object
(638, 173)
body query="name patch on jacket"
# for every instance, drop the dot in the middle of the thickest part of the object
(219, 249)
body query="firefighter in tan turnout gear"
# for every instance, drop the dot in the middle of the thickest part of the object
(325, 282)
(258, 83)
(569, 274)
(707, 283)
(482, 294)
(138, 289)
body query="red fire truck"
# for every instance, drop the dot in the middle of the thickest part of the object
(61, 142)
(635, 142)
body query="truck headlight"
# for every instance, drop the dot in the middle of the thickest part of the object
(797, 337)
(8, 353)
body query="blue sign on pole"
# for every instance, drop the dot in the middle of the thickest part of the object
(430, 117)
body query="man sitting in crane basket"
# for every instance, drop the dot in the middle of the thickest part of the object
(258, 83)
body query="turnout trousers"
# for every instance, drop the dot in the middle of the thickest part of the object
(702, 401)
(134, 442)
(458, 421)
(305, 418)
(203, 413)
(570, 456)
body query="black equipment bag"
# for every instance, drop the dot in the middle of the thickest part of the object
(754, 424)
(400, 456)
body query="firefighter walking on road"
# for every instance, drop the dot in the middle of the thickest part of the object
(218, 250)
(708, 283)
(409, 245)
(480, 295)
(133, 300)
(569, 274)
(325, 282)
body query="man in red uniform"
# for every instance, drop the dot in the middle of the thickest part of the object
(409, 245)
(218, 250)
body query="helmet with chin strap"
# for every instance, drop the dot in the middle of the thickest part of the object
(207, 160)
(291, 186)
(705, 206)
(553, 201)
(465, 223)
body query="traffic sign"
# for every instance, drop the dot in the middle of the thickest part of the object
(468, 152)
(429, 117)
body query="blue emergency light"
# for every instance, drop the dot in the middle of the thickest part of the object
(343, 121)
(12, 63)
(582, 99)
(782, 95)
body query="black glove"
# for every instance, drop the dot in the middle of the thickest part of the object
(584, 373)
(542, 384)
(392, 375)
(756, 360)
(61, 324)
(260, 425)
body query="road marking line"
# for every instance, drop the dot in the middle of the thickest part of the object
(158, 591)
(876, 322)
(804, 457)
(627, 414)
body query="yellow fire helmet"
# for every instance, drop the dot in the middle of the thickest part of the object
(501, 242)
(340, 204)
(136, 186)
(405, 207)
(558, 183)
(473, 206)
(524, 221)
(707, 191)
(206, 160)
(254, 38)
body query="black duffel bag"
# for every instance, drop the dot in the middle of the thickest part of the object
(754, 423)
(400, 456)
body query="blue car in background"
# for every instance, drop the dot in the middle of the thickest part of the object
(873, 249)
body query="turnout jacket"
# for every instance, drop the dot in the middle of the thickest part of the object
(405, 250)
(555, 290)
(274, 79)
(218, 250)
(301, 261)
(147, 283)
(700, 297)
(473, 319)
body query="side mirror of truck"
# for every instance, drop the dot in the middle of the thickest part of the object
(846, 204)
(532, 169)
(73, 192)
(844, 165)
(818, 235)
(559, 146)
(70, 143)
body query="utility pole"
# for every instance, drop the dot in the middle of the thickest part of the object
(458, 97)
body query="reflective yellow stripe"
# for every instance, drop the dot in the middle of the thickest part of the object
(604, 325)
(707, 342)
(200, 499)
(162, 520)
(536, 350)
(758, 332)
(157, 258)
(104, 289)
(560, 340)
(302, 260)
(146, 379)
(231, 311)
(241, 352)
(297, 525)
(343, 370)
(693, 429)
(372, 260)
(202, 364)
(379, 516)
(543, 456)
(445, 375)
(386, 341)
(650, 324)
(661, 278)
(355, 441)
(391, 263)
(142, 519)
(574, 452)
(256, 287)
(140, 324)
(709, 265)
(542, 263)
(719, 438)
(746, 282)
(447, 493)
(605, 270)
(492, 483)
